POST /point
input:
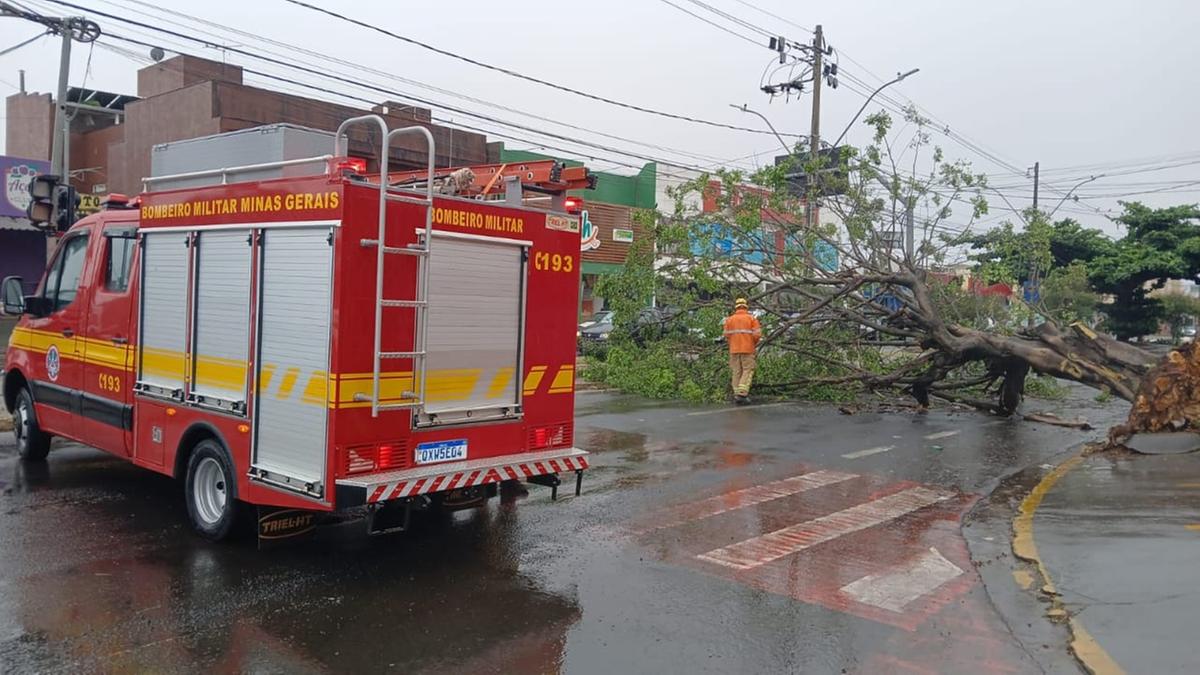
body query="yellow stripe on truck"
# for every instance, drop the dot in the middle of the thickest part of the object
(564, 380)
(227, 374)
(163, 362)
(534, 379)
(451, 385)
(500, 382)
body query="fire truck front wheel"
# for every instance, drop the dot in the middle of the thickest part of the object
(33, 444)
(210, 490)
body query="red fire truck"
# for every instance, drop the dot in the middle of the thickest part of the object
(312, 345)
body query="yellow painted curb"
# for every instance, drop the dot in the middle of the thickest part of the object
(1083, 645)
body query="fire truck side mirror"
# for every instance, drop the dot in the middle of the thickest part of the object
(13, 293)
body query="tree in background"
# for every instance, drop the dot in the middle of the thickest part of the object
(1161, 244)
(1179, 311)
(1068, 296)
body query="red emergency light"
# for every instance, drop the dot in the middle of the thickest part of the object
(573, 204)
(354, 165)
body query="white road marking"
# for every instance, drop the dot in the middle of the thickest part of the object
(942, 434)
(763, 549)
(736, 408)
(869, 451)
(894, 590)
(739, 499)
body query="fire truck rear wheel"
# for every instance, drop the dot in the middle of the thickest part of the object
(210, 490)
(33, 444)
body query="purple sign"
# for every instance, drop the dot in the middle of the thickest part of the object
(16, 172)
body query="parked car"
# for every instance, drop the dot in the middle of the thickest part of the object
(605, 316)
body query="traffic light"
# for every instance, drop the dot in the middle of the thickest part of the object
(41, 211)
(67, 201)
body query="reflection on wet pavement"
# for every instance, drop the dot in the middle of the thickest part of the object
(100, 571)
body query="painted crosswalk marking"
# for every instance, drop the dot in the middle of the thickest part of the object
(941, 434)
(763, 549)
(869, 451)
(894, 590)
(750, 496)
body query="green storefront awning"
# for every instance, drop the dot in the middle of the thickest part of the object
(590, 267)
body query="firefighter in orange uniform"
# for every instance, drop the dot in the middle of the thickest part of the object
(743, 332)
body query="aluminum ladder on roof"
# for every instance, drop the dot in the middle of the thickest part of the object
(414, 400)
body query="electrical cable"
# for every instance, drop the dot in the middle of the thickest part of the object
(326, 57)
(516, 74)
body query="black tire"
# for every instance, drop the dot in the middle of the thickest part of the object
(210, 490)
(33, 444)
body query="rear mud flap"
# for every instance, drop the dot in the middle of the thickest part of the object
(282, 526)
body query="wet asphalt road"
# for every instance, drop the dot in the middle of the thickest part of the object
(99, 571)
(1120, 537)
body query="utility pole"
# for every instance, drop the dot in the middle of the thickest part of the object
(58, 163)
(1036, 166)
(814, 137)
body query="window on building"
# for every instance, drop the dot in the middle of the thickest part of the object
(119, 263)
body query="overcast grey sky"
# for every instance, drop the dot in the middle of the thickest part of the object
(1069, 84)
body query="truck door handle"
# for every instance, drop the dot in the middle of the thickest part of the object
(120, 341)
(67, 332)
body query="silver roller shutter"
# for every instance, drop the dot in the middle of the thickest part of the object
(292, 401)
(162, 366)
(475, 321)
(222, 316)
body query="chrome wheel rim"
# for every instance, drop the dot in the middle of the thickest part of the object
(21, 423)
(209, 491)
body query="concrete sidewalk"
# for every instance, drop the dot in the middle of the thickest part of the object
(1119, 536)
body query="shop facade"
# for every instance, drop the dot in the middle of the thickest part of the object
(23, 247)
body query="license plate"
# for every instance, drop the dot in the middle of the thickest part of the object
(441, 451)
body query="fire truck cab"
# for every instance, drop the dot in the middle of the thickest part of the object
(309, 345)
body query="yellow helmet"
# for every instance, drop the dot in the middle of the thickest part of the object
(740, 302)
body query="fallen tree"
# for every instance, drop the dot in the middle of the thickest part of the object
(875, 315)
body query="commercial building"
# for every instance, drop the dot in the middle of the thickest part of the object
(111, 135)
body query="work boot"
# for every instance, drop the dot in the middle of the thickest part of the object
(741, 399)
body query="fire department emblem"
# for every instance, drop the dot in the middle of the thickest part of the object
(52, 363)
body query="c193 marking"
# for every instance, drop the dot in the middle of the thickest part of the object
(110, 383)
(553, 262)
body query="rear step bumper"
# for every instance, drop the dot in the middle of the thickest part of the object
(381, 487)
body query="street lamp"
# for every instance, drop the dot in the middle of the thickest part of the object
(899, 77)
(746, 109)
(1071, 192)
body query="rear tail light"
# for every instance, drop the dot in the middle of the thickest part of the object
(550, 436)
(387, 458)
(375, 457)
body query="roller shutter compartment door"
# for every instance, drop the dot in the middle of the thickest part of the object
(222, 315)
(162, 366)
(474, 335)
(292, 400)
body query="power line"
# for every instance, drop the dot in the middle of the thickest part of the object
(711, 23)
(775, 16)
(374, 71)
(352, 97)
(372, 87)
(513, 73)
